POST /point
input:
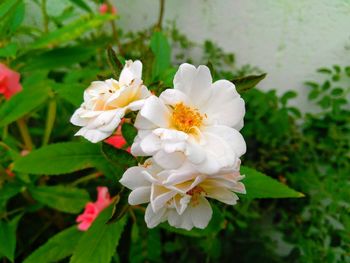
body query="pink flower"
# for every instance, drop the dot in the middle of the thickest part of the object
(117, 141)
(92, 210)
(9, 82)
(105, 8)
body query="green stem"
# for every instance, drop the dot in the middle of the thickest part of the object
(50, 120)
(45, 16)
(161, 14)
(85, 179)
(23, 129)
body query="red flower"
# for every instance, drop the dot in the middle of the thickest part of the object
(105, 8)
(92, 210)
(9, 82)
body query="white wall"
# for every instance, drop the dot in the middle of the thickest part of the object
(289, 39)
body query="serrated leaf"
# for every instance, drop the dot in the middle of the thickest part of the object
(162, 52)
(70, 32)
(60, 158)
(57, 247)
(62, 198)
(259, 185)
(99, 243)
(247, 83)
(129, 133)
(8, 237)
(22, 103)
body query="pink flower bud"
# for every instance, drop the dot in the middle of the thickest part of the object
(92, 210)
(9, 82)
(105, 8)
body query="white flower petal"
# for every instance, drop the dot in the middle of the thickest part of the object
(225, 106)
(153, 219)
(169, 160)
(140, 195)
(132, 70)
(201, 213)
(134, 178)
(160, 196)
(194, 82)
(174, 96)
(155, 112)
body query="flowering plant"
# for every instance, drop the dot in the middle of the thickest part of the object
(159, 140)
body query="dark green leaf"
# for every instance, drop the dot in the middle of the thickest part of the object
(60, 158)
(325, 70)
(57, 247)
(114, 63)
(247, 83)
(129, 133)
(162, 52)
(22, 103)
(337, 92)
(62, 198)
(8, 237)
(9, 190)
(259, 185)
(99, 243)
(119, 158)
(120, 207)
(326, 85)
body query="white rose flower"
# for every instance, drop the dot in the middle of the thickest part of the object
(106, 103)
(179, 196)
(197, 120)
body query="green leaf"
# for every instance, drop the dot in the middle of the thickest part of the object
(59, 57)
(114, 63)
(22, 103)
(120, 207)
(324, 71)
(287, 96)
(119, 158)
(72, 93)
(8, 237)
(57, 247)
(82, 5)
(6, 6)
(62, 198)
(16, 18)
(60, 158)
(70, 32)
(9, 190)
(259, 185)
(99, 243)
(129, 133)
(162, 52)
(337, 92)
(247, 83)
(9, 50)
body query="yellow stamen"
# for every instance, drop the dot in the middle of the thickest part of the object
(186, 119)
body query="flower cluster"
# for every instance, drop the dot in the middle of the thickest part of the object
(190, 134)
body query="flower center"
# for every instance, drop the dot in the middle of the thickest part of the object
(186, 119)
(196, 193)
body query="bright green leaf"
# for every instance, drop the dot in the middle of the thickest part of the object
(63, 198)
(162, 52)
(82, 5)
(60, 158)
(8, 237)
(99, 243)
(259, 185)
(9, 50)
(57, 247)
(70, 32)
(22, 103)
(247, 83)
(6, 6)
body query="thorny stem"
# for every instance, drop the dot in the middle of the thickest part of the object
(45, 16)
(161, 14)
(23, 129)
